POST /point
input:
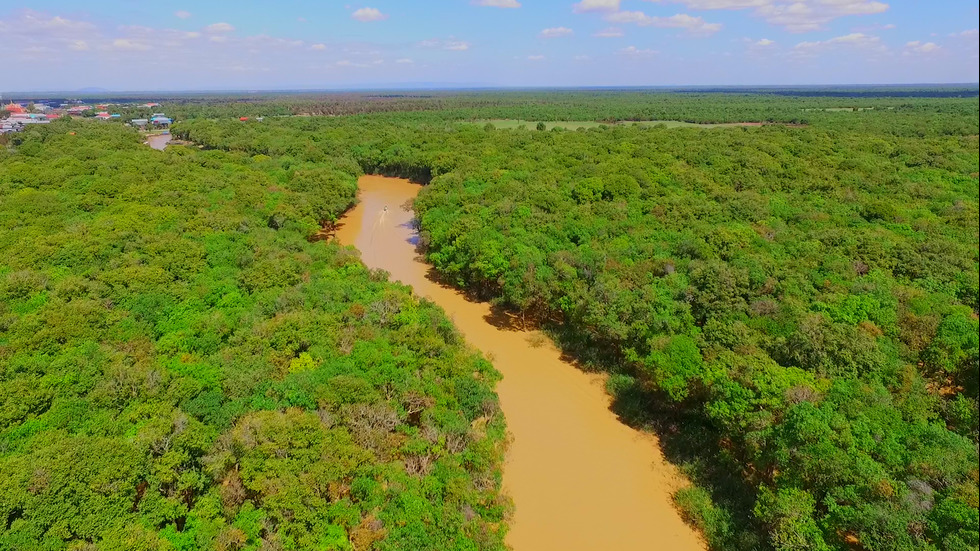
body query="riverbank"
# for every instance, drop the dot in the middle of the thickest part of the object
(579, 478)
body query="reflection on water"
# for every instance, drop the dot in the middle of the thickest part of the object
(580, 479)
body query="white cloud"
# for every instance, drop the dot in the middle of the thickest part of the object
(694, 25)
(81, 50)
(859, 41)
(358, 64)
(555, 32)
(183, 14)
(917, 47)
(535, 57)
(633, 51)
(241, 68)
(794, 15)
(854, 38)
(586, 6)
(452, 44)
(964, 46)
(763, 42)
(874, 27)
(722, 4)
(497, 3)
(126, 44)
(31, 24)
(609, 32)
(583, 58)
(93, 52)
(404, 61)
(368, 14)
(219, 28)
(637, 17)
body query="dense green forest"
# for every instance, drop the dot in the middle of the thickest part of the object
(181, 368)
(733, 104)
(792, 309)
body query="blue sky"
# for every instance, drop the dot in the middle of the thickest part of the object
(320, 44)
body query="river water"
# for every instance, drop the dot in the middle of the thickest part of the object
(158, 141)
(579, 479)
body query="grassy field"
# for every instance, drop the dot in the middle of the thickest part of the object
(838, 109)
(511, 124)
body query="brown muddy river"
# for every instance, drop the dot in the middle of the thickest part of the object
(158, 141)
(579, 479)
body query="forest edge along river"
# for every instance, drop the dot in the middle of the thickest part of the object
(579, 478)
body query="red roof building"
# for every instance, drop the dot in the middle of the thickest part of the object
(13, 108)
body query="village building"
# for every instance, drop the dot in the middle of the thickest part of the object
(14, 108)
(17, 121)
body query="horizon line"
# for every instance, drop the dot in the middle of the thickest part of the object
(449, 87)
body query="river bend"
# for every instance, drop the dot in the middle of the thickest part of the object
(579, 478)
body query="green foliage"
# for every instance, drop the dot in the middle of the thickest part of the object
(697, 508)
(796, 308)
(672, 367)
(182, 368)
(802, 299)
(789, 514)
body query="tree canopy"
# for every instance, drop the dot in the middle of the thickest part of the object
(791, 305)
(182, 368)
(793, 308)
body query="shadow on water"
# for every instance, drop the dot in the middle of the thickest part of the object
(413, 237)
(437, 278)
(685, 436)
(500, 318)
(687, 439)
